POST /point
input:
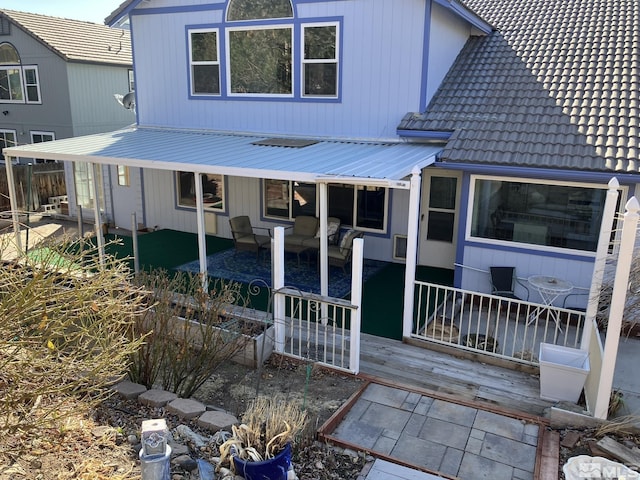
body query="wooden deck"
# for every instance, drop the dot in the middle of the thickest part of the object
(446, 375)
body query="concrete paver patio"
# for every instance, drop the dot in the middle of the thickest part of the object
(438, 436)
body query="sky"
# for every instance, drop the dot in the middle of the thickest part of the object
(90, 10)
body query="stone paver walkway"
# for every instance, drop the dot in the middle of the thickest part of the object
(441, 436)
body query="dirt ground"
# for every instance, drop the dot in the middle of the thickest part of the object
(99, 445)
(318, 390)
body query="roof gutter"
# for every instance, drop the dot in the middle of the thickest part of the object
(541, 173)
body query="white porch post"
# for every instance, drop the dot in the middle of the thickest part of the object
(13, 200)
(357, 261)
(277, 267)
(412, 251)
(618, 300)
(600, 262)
(96, 212)
(202, 241)
(324, 267)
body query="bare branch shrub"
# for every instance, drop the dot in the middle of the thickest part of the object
(188, 335)
(64, 332)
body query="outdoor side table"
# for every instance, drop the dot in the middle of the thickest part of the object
(549, 288)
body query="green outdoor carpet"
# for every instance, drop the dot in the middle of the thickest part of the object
(165, 249)
(383, 298)
(383, 293)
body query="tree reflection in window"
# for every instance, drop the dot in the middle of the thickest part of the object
(258, 9)
(261, 60)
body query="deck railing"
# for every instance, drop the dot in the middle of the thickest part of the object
(318, 329)
(501, 327)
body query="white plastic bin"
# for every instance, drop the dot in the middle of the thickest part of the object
(563, 371)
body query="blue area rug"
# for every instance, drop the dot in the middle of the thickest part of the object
(244, 267)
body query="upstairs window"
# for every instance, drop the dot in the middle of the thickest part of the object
(260, 60)
(32, 85)
(205, 62)
(258, 9)
(18, 83)
(265, 53)
(320, 60)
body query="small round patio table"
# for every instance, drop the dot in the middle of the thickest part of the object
(549, 288)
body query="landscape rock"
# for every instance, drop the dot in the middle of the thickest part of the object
(570, 439)
(156, 398)
(191, 436)
(185, 462)
(215, 420)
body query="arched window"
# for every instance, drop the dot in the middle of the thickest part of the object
(18, 83)
(258, 9)
(8, 54)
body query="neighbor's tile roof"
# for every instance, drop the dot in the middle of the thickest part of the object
(75, 40)
(556, 85)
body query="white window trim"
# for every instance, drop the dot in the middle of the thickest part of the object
(228, 30)
(4, 131)
(23, 83)
(531, 246)
(19, 69)
(385, 214)
(39, 132)
(335, 60)
(37, 84)
(223, 183)
(126, 175)
(208, 62)
(132, 80)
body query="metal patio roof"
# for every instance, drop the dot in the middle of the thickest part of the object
(234, 154)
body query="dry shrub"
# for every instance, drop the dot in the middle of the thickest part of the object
(64, 332)
(269, 424)
(187, 335)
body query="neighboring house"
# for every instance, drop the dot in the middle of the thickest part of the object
(58, 78)
(525, 110)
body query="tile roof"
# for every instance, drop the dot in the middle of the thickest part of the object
(556, 86)
(75, 40)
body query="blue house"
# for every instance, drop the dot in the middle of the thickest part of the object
(457, 135)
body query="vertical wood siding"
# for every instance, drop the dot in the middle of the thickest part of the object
(381, 74)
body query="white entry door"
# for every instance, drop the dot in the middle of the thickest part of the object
(439, 218)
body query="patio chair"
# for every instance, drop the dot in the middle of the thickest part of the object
(333, 234)
(504, 281)
(244, 237)
(304, 228)
(340, 255)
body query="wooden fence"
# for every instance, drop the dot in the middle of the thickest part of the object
(47, 180)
